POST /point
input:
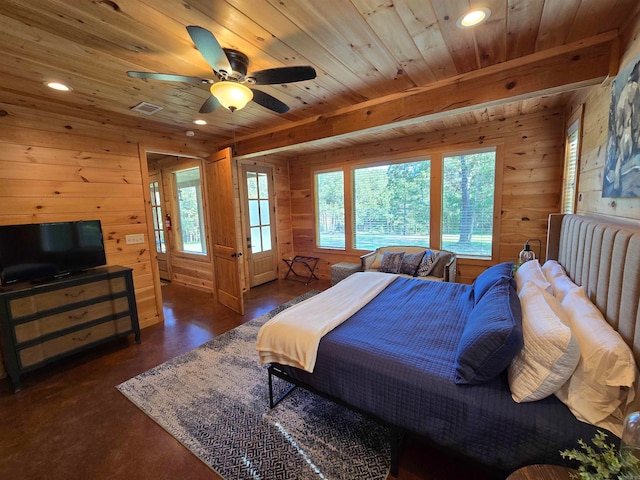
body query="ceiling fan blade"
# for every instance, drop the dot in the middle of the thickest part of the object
(210, 105)
(268, 101)
(168, 77)
(281, 75)
(209, 48)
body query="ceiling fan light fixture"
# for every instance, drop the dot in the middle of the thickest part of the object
(199, 121)
(473, 17)
(231, 95)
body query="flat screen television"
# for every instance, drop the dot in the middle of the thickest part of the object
(43, 251)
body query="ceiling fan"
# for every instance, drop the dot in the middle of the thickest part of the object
(230, 69)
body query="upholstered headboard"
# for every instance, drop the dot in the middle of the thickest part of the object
(604, 257)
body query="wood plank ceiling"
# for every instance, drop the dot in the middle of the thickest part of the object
(362, 50)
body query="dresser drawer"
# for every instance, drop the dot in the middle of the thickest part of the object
(72, 341)
(60, 321)
(21, 307)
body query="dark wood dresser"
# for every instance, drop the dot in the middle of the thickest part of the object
(40, 323)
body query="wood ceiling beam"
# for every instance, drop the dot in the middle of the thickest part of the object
(552, 71)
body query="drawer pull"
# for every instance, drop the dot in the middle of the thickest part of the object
(82, 338)
(74, 296)
(78, 317)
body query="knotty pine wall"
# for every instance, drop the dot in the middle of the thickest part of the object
(533, 147)
(595, 102)
(55, 168)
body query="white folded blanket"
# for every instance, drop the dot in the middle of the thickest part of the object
(292, 337)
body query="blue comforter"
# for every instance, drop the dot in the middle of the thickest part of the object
(395, 358)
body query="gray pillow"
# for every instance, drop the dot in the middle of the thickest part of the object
(442, 258)
(391, 262)
(410, 263)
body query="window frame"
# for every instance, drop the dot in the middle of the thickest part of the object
(316, 231)
(573, 126)
(157, 214)
(435, 156)
(378, 163)
(497, 199)
(176, 238)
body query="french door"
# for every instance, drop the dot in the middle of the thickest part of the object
(260, 224)
(159, 233)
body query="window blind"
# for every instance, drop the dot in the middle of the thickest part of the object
(569, 180)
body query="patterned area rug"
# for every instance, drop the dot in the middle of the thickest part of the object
(214, 399)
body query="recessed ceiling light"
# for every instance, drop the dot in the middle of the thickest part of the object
(473, 18)
(58, 86)
(200, 122)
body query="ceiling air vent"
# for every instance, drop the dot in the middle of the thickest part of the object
(146, 108)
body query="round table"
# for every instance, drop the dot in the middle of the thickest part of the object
(542, 472)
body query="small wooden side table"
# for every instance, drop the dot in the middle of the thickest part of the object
(542, 472)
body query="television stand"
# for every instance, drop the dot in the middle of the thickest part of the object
(45, 322)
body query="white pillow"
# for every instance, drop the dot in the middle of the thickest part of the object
(550, 353)
(531, 272)
(558, 278)
(606, 371)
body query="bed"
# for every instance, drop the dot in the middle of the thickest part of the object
(407, 370)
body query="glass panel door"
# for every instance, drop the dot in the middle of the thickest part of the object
(259, 224)
(259, 214)
(156, 211)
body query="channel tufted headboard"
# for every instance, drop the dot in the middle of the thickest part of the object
(604, 257)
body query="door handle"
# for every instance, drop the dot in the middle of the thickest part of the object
(234, 255)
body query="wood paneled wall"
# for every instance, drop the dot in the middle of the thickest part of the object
(58, 168)
(596, 102)
(533, 147)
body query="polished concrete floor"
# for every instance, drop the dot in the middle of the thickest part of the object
(69, 422)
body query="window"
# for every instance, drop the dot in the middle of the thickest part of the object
(440, 201)
(468, 191)
(190, 214)
(569, 179)
(391, 205)
(259, 217)
(330, 209)
(156, 211)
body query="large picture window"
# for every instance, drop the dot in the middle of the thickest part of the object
(442, 201)
(391, 205)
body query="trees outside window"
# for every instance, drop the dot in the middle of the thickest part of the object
(330, 209)
(391, 202)
(468, 191)
(190, 212)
